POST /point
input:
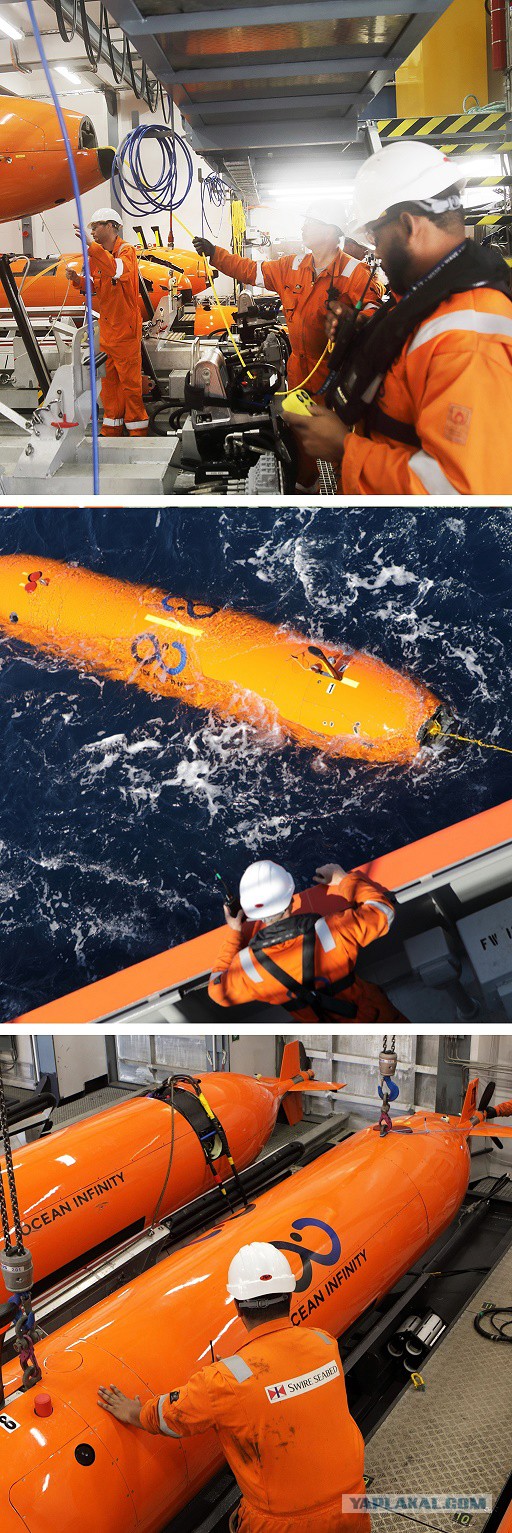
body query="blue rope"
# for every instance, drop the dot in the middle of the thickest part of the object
(88, 284)
(130, 184)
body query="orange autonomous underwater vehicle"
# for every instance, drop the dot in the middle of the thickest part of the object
(351, 1224)
(34, 171)
(101, 1179)
(44, 285)
(344, 702)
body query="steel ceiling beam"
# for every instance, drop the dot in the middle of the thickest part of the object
(363, 64)
(285, 103)
(417, 26)
(281, 15)
(222, 137)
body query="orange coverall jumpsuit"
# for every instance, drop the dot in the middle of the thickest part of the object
(240, 977)
(115, 279)
(279, 1408)
(453, 383)
(304, 297)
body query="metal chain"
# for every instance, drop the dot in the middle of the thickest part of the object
(9, 1166)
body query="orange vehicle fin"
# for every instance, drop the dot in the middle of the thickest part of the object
(293, 1060)
(295, 1078)
(490, 1130)
(469, 1105)
(294, 1070)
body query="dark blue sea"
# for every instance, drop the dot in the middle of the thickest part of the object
(115, 807)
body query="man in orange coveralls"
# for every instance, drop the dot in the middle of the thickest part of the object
(115, 277)
(306, 283)
(438, 403)
(278, 1406)
(305, 963)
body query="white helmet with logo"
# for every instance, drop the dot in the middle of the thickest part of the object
(329, 210)
(404, 172)
(258, 1271)
(106, 216)
(265, 890)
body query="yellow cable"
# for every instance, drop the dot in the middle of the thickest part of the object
(217, 299)
(284, 392)
(487, 745)
(436, 729)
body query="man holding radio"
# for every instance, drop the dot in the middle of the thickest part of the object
(421, 393)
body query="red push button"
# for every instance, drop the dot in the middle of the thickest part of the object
(43, 1405)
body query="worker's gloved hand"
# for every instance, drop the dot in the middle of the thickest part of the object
(234, 922)
(72, 275)
(330, 873)
(204, 247)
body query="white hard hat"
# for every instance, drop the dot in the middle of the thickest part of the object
(106, 216)
(405, 172)
(329, 210)
(257, 1271)
(265, 890)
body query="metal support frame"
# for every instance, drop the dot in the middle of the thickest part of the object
(24, 324)
(450, 1078)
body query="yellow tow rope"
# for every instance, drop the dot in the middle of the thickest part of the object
(487, 745)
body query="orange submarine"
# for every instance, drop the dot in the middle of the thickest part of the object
(34, 171)
(44, 284)
(100, 1180)
(342, 701)
(352, 1224)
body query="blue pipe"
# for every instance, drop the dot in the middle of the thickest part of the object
(88, 284)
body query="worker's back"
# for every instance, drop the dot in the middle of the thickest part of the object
(285, 1426)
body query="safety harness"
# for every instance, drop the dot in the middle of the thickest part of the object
(324, 1002)
(365, 349)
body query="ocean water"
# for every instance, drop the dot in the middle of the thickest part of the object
(116, 807)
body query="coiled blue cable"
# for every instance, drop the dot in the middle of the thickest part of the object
(87, 275)
(130, 184)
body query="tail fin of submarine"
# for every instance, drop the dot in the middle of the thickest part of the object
(471, 1107)
(295, 1078)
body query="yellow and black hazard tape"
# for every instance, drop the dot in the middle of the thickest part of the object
(469, 123)
(494, 181)
(467, 147)
(486, 220)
